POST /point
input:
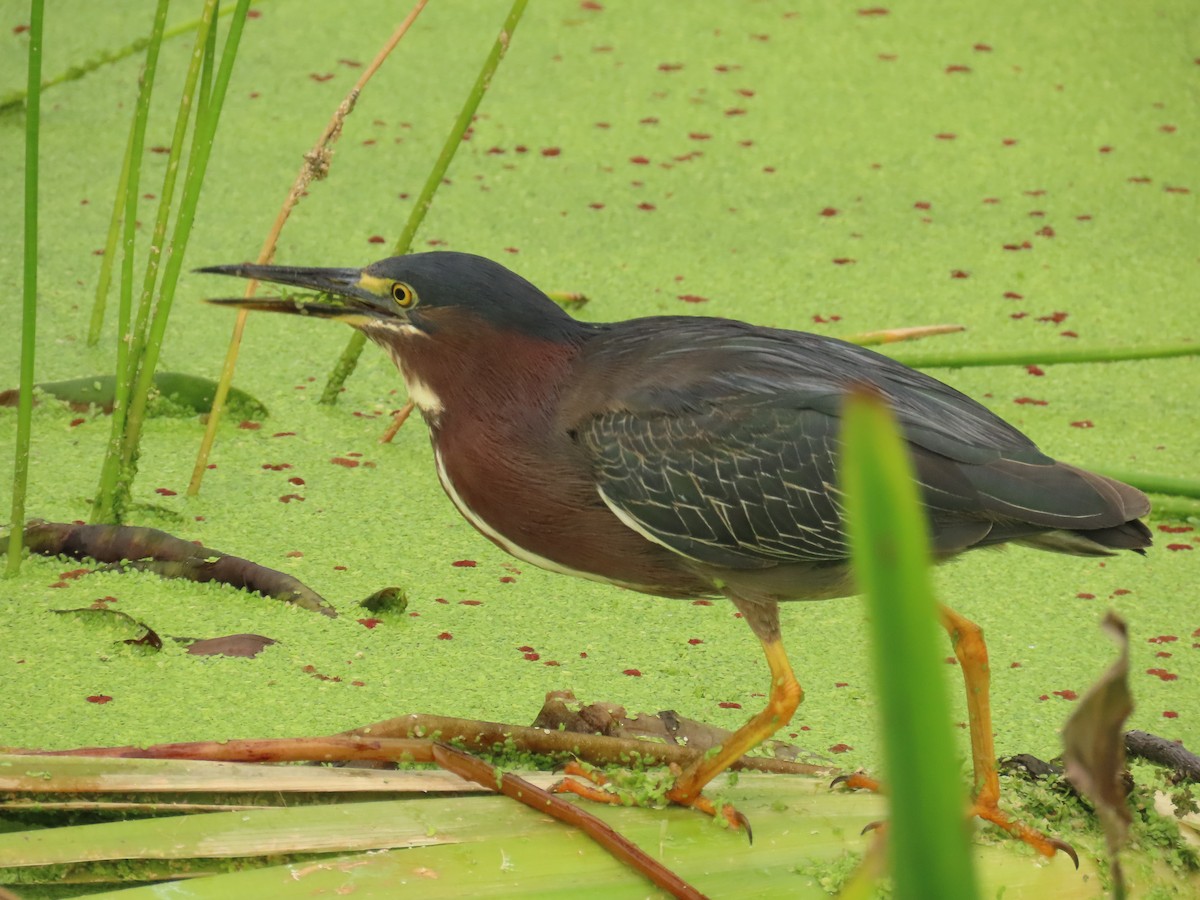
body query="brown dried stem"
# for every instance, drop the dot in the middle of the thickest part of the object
(315, 167)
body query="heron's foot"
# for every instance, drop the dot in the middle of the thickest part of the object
(985, 808)
(989, 811)
(597, 787)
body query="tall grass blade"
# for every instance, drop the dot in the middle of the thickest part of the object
(927, 837)
(203, 137)
(104, 506)
(29, 302)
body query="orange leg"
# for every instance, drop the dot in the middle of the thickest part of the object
(784, 697)
(969, 648)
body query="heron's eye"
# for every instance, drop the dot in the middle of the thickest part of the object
(403, 295)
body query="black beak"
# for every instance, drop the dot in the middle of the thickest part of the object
(344, 294)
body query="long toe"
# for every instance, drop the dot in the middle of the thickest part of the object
(1043, 844)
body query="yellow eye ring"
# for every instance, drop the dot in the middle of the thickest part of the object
(403, 295)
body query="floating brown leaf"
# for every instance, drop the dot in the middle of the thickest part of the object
(245, 645)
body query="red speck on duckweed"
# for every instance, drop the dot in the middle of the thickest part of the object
(344, 462)
(646, 207)
(844, 261)
(1163, 674)
(729, 704)
(445, 636)
(840, 748)
(1035, 370)
(1029, 401)
(692, 298)
(829, 211)
(639, 160)
(1068, 334)
(288, 498)
(296, 479)
(982, 48)
(735, 111)
(1083, 423)
(922, 204)
(1162, 639)
(1083, 595)
(75, 423)
(282, 433)
(99, 698)
(1170, 714)
(276, 467)
(547, 151)
(695, 641)
(165, 492)
(873, 11)
(294, 554)
(951, 661)
(1179, 546)
(1174, 529)
(945, 136)
(249, 426)
(464, 563)
(632, 672)
(533, 657)
(319, 78)
(524, 649)
(837, 684)
(701, 603)
(376, 239)
(959, 273)
(955, 68)
(670, 67)
(507, 579)
(370, 623)
(1013, 295)
(596, 205)
(1068, 694)
(1015, 665)
(470, 603)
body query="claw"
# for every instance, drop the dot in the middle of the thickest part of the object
(1065, 848)
(737, 819)
(872, 826)
(857, 781)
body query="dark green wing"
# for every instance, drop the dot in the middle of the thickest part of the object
(721, 441)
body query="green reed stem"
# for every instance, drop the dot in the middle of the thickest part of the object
(103, 507)
(110, 244)
(203, 136)
(104, 58)
(927, 835)
(349, 358)
(933, 359)
(33, 120)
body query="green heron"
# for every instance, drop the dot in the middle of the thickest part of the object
(691, 457)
